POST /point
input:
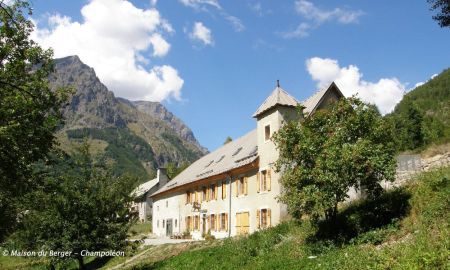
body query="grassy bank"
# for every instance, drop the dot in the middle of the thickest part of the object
(407, 228)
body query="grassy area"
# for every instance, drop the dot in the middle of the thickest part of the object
(140, 228)
(407, 228)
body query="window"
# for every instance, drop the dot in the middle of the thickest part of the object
(157, 208)
(264, 181)
(224, 189)
(241, 186)
(164, 223)
(167, 204)
(267, 133)
(176, 223)
(224, 222)
(157, 224)
(263, 218)
(212, 224)
(237, 151)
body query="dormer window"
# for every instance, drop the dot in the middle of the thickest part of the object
(267, 133)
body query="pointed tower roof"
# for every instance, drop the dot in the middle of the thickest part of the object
(278, 97)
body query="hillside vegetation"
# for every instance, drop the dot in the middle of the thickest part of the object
(136, 137)
(423, 116)
(407, 228)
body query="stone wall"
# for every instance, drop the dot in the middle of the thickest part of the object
(425, 164)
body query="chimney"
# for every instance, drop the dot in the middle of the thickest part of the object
(161, 175)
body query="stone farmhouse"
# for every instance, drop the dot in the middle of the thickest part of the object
(232, 191)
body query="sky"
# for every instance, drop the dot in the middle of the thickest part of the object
(213, 62)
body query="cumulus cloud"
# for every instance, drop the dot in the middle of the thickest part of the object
(118, 49)
(316, 17)
(385, 93)
(201, 33)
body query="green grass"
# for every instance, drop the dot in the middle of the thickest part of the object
(141, 228)
(406, 228)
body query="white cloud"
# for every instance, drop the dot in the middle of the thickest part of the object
(115, 38)
(310, 11)
(301, 31)
(201, 33)
(235, 22)
(153, 2)
(160, 46)
(316, 17)
(385, 93)
(205, 5)
(201, 4)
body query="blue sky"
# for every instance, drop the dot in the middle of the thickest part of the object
(213, 62)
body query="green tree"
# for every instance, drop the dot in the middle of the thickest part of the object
(173, 170)
(227, 140)
(29, 109)
(415, 127)
(443, 6)
(322, 157)
(80, 206)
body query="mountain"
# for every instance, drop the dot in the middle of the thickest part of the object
(134, 136)
(422, 117)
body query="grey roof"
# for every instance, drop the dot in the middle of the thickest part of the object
(278, 97)
(313, 101)
(243, 150)
(145, 187)
(222, 160)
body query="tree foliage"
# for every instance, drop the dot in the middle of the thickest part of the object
(173, 170)
(443, 8)
(227, 140)
(29, 110)
(331, 151)
(80, 206)
(422, 117)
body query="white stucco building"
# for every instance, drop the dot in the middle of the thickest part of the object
(143, 204)
(233, 190)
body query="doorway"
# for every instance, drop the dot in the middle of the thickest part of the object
(169, 229)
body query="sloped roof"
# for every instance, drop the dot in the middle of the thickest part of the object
(145, 187)
(313, 101)
(278, 97)
(232, 155)
(243, 150)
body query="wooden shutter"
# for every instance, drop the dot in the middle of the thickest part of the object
(268, 179)
(187, 197)
(246, 185)
(258, 220)
(192, 223)
(237, 187)
(269, 219)
(258, 179)
(216, 189)
(224, 189)
(217, 218)
(186, 221)
(226, 222)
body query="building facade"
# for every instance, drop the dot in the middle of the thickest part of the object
(233, 190)
(142, 206)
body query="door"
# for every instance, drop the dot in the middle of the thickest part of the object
(169, 230)
(203, 224)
